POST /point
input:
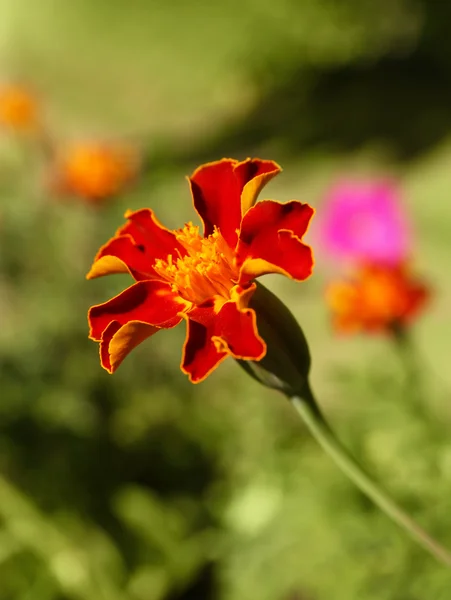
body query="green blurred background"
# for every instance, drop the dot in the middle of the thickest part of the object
(141, 486)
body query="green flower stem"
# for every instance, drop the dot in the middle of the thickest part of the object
(407, 353)
(413, 371)
(308, 409)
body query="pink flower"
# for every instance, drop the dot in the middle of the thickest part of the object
(363, 220)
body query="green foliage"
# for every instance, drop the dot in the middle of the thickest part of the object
(141, 486)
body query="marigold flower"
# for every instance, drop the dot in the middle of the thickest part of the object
(95, 170)
(18, 108)
(379, 297)
(363, 220)
(206, 280)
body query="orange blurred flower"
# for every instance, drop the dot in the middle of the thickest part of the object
(205, 279)
(18, 108)
(95, 170)
(378, 297)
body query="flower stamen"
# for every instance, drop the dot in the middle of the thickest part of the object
(208, 268)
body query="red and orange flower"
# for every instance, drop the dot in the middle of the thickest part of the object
(94, 170)
(206, 280)
(379, 297)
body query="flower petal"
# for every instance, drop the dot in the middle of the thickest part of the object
(135, 247)
(270, 240)
(212, 336)
(151, 302)
(131, 317)
(254, 175)
(236, 333)
(200, 355)
(120, 255)
(216, 198)
(119, 340)
(148, 232)
(222, 190)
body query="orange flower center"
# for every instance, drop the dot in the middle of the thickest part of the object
(382, 295)
(208, 269)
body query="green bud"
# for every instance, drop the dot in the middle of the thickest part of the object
(286, 365)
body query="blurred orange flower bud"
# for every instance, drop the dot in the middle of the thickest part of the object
(18, 108)
(95, 170)
(378, 297)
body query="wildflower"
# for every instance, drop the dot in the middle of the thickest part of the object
(94, 171)
(18, 108)
(206, 280)
(363, 220)
(379, 297)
